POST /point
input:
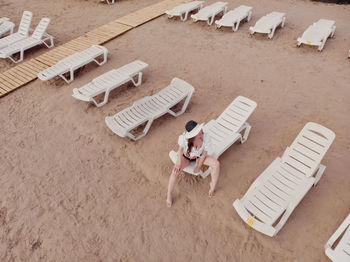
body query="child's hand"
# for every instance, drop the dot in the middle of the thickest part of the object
(197, 169)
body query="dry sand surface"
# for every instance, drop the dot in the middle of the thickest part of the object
(71, 190)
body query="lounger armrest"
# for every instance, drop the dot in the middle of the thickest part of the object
(338, 232)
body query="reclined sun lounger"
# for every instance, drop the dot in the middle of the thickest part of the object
(183, 10)
(23, 31)
(6, 26)
(150, 108)
(341, 252)
(38, 37)
(209, 12)
(268, 24)
(274, 195)
(317, 33)
(73, 62)
(225, 130)
(109, 81)
(234, 17)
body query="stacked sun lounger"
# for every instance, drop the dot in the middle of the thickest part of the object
(274, 195)
(147, 109)
(73, 62)
(234, 17)
(209, 12)
(6, 26)
(183, 10)
(109, 81)
(225, 130)
(318, 33)
(268, 24)
(341, 239)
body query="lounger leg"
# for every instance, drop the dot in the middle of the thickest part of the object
(183, 109)
(246, 128)
(283, 22)
(185, 17)
(104, 60)
(105, 100)
(284, 219)
(270, 35)
(319, 173)
(211, 20)
(139, 80)
(249, 16)
(333, 31)
(144, 132)
(71, 76)
(322, 45)
(206, 173)
(21, 55)
(51, 43)
(235, 28)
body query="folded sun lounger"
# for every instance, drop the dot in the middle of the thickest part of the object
(150, 108)
(209, 12)
(225, 130)
(183, 10)
(341, 252)
(234, 17)
(38, 37)
(109, 81)
(6, 26)
(268, 24)
(274, 195)
(73, 62)
(23, 31)
(317, 33)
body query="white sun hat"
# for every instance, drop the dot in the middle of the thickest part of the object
(192, 129)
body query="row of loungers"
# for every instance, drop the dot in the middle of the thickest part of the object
(273, 196)
(316, 34)
(17, 43)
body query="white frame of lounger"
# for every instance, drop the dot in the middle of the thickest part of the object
(310, 179)
(237, 22)
(330, 252)
(245, 129)
(110, 2)
(170, 14)
(149, 120)
(131, 77)
(321, 44)
(271, 33)
(210, 19)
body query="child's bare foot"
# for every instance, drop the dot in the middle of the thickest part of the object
(211, 190)
(169, 201)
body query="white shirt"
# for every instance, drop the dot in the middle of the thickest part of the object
(206, 146)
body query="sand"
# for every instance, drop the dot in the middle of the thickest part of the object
(71, 190)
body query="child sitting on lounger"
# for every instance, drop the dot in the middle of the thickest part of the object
(194, 146)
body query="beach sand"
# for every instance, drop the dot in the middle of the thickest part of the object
(71, 190)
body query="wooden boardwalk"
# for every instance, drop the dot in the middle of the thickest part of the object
(27, 71)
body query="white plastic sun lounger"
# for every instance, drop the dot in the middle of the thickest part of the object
(23, 31)
(149, 108)
(6, 26)
(108, 1)
(73, 62)
(209, 12)
(38, 37)
(234, 17)
(274, 195)
(183, 10)
(341, 252)
(268, 24)
(317, 33)
(109, 81)
(225, 130)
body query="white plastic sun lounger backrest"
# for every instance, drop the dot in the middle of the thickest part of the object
(225, 130)
(341, 252)
(24, 25)
(184, 9)
(109, 81)
(40, 29)
(6, 26)
(308, 149)
(234, 17)
(147, 109)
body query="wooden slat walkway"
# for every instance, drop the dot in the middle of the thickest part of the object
(27, 71)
